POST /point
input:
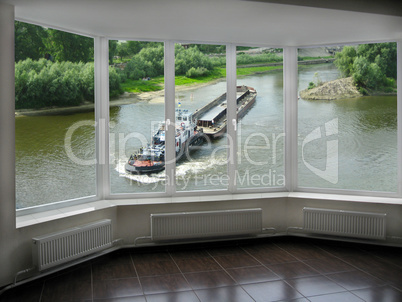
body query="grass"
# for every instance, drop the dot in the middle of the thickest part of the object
(155, 84)
(253, 70)
(314, 58)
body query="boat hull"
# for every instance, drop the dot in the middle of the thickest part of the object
(243, 106)
(133, 169)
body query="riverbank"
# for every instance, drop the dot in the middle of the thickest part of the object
(157, 96)
(125, 99)
(344, 88)
(332, 90)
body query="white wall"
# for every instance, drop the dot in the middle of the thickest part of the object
(8, 245)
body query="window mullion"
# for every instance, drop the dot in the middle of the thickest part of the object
(290, 98)
(231, 115)
(170, 156)
(101, 60)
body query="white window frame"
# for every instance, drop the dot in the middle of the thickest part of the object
(365, 193)
(290, 71)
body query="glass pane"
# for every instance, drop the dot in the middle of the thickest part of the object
(260, 154)
(201, 143)
(55, 134)
(348, 117)
(137, 110)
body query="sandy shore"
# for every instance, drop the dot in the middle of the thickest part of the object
(124, 99)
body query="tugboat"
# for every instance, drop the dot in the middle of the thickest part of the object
(151, 159)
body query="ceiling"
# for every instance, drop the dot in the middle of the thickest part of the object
(385, 7)
(244, 22)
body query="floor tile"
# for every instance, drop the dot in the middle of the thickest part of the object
(329, 265)
(339, 249)
(125, 299)
(232, 294)
(114, 267)
(355, 280)
(377, 294)
(345, 296)
(314, 286)
(236, 260)
(197, 264)
(254, 274)
(188, 296)
(75, 285)
(151, 256)
(292, 270)
(305, 251)
(26, 293)
(209, 279)
(156, 267)
(271, 291)
(225, 250)
(188, 253)
(273, 255)
(264, 270)
(116, 288)
(164, 284)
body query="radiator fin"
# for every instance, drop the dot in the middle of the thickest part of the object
(345, 223)
(58, 248)
(167, 226)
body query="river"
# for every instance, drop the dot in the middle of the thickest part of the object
(345, 144)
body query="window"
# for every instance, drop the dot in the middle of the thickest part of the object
(201, 117)
(260, 154)
(55, 136)
(348, 117)
(137, 140)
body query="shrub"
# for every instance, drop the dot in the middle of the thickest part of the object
(42, 83)
(363, 91)
(196, 72)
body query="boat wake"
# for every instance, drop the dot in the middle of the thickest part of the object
(193, 168)
(140, 178)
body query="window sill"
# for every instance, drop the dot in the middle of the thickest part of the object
(47, 216)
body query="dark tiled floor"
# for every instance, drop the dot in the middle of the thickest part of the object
(273, 269)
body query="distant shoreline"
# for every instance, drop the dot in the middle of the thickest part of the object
(130, 97)
(126, 98)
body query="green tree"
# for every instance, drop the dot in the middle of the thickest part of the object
(191, 57)
(122, 49)
(344, 60)
(372, 66)
(134, 47)
(64, 46)
(112, 50)
(366, 74)
(29, 41)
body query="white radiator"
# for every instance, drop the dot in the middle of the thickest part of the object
(345, 223)
(167, 226)
(58, 248)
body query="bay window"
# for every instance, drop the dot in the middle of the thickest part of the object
(237, 130)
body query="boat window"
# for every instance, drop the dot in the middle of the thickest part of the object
(202, 157)
(54, 149)
(347, 118)
(260, 106)
(134, 121)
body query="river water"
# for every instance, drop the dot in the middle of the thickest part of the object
(345, 144)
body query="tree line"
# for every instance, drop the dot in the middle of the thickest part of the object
(372, 66)
(55, 68)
